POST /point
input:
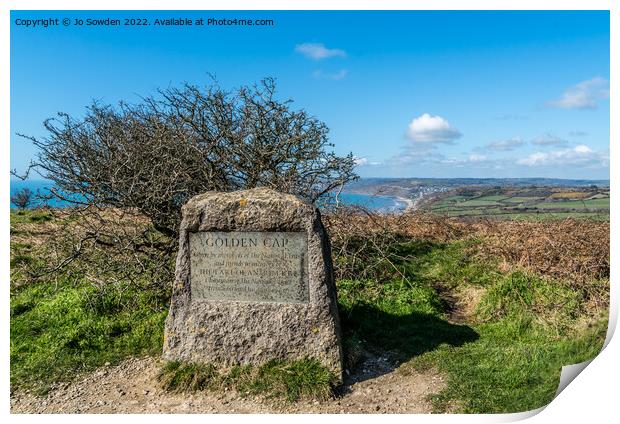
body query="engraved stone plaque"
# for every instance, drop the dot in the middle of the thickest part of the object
(249, 266)
(254, 283)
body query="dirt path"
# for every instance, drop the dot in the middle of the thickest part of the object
(131, 387)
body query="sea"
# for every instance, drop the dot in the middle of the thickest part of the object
(37, 187)
(374, 203)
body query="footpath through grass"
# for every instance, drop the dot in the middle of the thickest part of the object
(499, 335)
(505, 355)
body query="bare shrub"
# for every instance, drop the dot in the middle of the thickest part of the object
(154, 156)
(568, 249)
(365, 245)
(23, 198)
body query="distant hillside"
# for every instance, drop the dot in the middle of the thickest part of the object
(416, 192)
(456, 182)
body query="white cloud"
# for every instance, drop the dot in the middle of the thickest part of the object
(428, 156)
(332, 76)
(549, 140)
(431, 129)
(583, 149)
(583, 95)
(477, 158)
(361, 161)
(580, 155)
(318, 51)
(418, 154)
(505, 145)
(473, 161)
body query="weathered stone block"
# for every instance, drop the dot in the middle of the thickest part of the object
(253, 282)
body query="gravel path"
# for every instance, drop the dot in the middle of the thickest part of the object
(131, 387)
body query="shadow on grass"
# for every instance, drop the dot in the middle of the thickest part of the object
(388, 340)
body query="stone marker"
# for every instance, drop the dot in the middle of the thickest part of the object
(253, 282)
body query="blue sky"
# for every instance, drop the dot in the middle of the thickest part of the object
(411, 94)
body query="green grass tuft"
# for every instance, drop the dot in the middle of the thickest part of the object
(289, 380)
(31, 216)
(518, 300)
(178, 377)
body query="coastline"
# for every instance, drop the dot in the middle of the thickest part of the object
(377, 202)
(410, 203)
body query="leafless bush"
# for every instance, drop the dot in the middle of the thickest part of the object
(367, 245)
(23, 198)
(154, 156)
(361, 244)
(574, 249)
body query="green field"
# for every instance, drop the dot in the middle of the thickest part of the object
(527, 203)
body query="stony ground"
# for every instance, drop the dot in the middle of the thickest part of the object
(131, 387)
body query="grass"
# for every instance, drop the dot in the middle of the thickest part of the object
(503, 354)
(554, 216)
(60, 331)
(479, 202)
(290, 380)
(548, 204)
(575, 204)
(521, 214)
(31, 216)
(508, 369)
(520, 199)
(397, 324)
